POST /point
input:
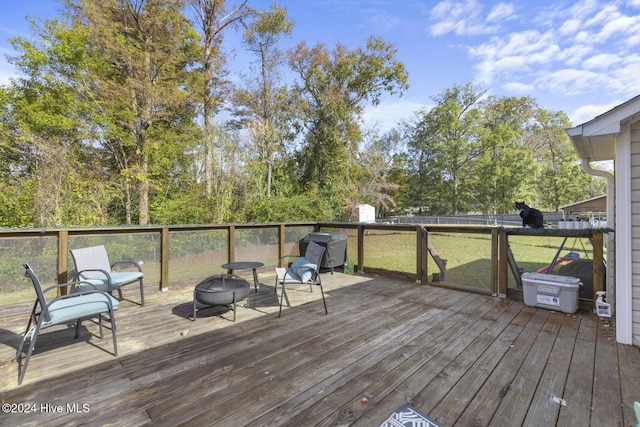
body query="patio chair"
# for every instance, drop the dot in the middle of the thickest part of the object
(92, 266)
(303, 271)
(64, 310)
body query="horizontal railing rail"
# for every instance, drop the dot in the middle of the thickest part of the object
(475, 258)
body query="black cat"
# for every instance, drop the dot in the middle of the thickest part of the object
(530, 216)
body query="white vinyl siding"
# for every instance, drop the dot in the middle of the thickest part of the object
(635, 230)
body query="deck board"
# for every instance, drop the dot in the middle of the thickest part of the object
(549, 396)
(606, 380)
(579, 386)
(463, 359)
(473, 377)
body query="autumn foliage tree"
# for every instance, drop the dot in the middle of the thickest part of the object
(333, 88)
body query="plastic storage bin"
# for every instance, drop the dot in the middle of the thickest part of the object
(551, 291)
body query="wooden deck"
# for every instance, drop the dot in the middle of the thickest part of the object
(462, 359)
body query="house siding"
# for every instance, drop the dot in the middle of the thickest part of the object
(635, 230)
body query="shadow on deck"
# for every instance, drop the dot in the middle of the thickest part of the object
(460, 358)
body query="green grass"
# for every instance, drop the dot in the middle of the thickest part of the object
(468, 255)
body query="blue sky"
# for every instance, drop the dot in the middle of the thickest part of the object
(581, 57)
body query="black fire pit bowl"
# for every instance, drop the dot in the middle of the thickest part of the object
(223, 289)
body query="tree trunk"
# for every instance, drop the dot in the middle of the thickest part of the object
(144, 192)
(208, 126)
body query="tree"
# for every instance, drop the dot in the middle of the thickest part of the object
(502, 168)
(213, 18)
(332, 90)
(16, 189)
(49, 125)
(264, 104)
(370, 178)
(142, 51)
(444, 144)
(561, 180)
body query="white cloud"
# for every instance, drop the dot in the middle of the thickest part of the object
(625, 76)
(574, 55)
(518, 88)
(601, 61)
(632, 37)
(587, 112)
(583, 9)
(617, 27)
(515, 55)
(608, 13)
(522, 43)
(459, 17)
(586, 49)
(501, 12)
(571, 81)
(569, 27)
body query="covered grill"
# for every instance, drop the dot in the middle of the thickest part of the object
(335, 244)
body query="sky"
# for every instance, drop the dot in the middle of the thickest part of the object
(580, 57)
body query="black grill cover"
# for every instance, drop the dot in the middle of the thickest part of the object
(335, 244)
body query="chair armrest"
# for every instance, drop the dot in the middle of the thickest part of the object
(104, 272)
(75, 285)
(136, 264)
(107, 297)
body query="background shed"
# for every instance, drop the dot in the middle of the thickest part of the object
(595, 207)
(364, 213)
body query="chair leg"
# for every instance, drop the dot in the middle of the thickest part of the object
(195, 309)
(141, 293)
(281, 300)
(113, 333)
(19, 350)
(32, 319)
(323, 300)
(78, 322)
(32, 345)
(100, 325)
(24, 340)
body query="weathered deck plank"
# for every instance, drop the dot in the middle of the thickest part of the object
(360, 360)
(451, 405)
(463, 359)
(517, 400)
(436, 339)
(547, 401)
(629, 380)
(606, 380)
(578, 389)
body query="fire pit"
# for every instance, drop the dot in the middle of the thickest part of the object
(220, 290)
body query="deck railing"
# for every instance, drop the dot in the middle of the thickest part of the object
(473, 258)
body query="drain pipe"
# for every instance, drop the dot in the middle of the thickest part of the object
(610, 185)
(610, 223)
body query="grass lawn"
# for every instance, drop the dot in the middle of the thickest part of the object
(468, 255)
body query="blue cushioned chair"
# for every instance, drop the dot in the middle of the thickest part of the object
(303, 271)
(63, 310)
(92, 266)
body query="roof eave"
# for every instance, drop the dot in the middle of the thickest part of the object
(595, 140)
